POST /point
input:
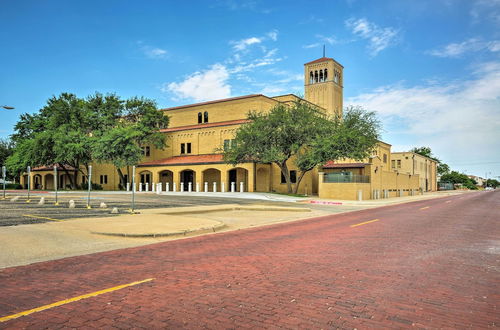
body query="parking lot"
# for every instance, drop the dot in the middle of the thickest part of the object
(21, 212)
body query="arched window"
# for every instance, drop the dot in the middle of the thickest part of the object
(325, 76)
(315, 76)
(311, 77)
(205, 117)
(199, 118)
(320, 75)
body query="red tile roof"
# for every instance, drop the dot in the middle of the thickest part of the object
(51, 168)
(198, 126)
(186, 160)
(322, 59)
(332, 164)
(212, 102)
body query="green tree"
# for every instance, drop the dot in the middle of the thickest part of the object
(459, 178)
(139, 124)
(492, 183)
(70, 131)
(354, 136)
(302, 132)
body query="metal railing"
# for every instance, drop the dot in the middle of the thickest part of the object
(346, 178)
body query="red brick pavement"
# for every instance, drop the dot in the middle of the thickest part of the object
(431, 268)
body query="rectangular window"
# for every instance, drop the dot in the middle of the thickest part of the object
(183, 148)
(393, 163)
(227, 145)
(147, 151)
(293, 177)
(188, 148)
(399, 163)
(385, 158)
(104, 179)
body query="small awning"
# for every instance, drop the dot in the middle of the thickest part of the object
(332, 164)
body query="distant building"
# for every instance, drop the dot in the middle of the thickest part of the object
(415, 164)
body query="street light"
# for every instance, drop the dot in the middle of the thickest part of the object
(7, 107)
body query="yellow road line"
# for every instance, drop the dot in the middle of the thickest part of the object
(70, 300)
(364, 223)
(37, 217)
(423, 208)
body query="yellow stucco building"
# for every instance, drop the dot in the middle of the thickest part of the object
(192, 160)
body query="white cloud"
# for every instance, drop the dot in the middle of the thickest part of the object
(379, 38)
(210, 84)
(244, 43)
(458, 120)
(314, 45)
(470, 45)
(485, 11)
(152, 52)
(273, 35)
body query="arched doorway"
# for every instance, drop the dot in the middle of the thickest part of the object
(237, 175)
(210, 176)
(188, 176)
(262, 178)
(49, 182)
(145, 177)
(166, 176)
(37, 181)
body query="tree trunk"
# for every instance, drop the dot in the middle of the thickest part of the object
(68, 175)
(122, 178)
(284, 170)
(299, 179)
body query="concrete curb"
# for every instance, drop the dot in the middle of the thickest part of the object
(197, 231)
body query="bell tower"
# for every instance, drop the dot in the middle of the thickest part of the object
(323, 84)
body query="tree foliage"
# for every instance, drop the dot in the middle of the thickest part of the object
(73, 131)
(302, 133)
(459, 178)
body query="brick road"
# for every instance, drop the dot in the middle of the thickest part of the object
(426, 264)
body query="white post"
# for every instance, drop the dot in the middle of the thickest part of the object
(222, 187)
(232, 187)
(182, 187)
(190, 186)
(158, 188)
(197, 187)
(167, 187)
(174, 187)
(242, 186)
(215, 187)
(147, 186)
(140, 186)
(134, 187)
(360, 195)
(128, 186)
(206, 187)
(153, 186)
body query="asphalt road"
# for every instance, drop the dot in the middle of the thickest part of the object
(426, 264)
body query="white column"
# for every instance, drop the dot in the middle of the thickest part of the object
(154, 187)
(360, 195)
(190, 186)
(147, 186)
(197, 187)
(134, 187)
(174, 187)
(182, 186)
(232, 187)
(158, 188)
(242, 187)
(140, 186)
(167, 187)
(206, 187)
(223, 187)
(128, 186)
(215, 186)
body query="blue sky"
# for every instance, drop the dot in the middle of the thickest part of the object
(431, 69)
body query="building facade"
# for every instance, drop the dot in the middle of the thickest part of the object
(198, 134)
(415, 164)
